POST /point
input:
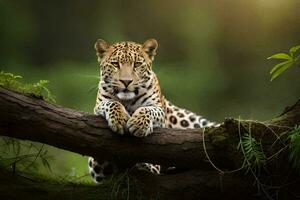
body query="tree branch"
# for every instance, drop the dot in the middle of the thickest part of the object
(30, 118)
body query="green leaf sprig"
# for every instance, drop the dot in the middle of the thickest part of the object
(288, 59)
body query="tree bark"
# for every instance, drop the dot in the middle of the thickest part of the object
(30, 118)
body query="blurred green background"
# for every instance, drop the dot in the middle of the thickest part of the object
(211, 59)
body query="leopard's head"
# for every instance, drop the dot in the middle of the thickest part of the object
(126, 67)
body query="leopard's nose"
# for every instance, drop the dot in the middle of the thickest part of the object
(126, 82)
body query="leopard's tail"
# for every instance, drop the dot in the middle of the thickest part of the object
(184, 119)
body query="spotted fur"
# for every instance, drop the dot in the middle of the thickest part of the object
(130, 99)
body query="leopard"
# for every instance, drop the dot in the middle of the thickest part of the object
(130, 99)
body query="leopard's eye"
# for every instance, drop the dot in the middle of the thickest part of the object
(137, 64)
(116, 64)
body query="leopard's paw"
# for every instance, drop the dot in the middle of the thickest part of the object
(140, 124)
(100, 170)
(154, 169)
(117, 119)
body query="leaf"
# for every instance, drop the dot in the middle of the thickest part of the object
(45, 163)
(254, 156)
(39, 89)
(283, 56)
(279, 66)
(280, 70)
(294, 49)
(294, 146)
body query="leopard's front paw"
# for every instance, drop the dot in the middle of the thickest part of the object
(117, 120)
(140, 124)
(118, 124)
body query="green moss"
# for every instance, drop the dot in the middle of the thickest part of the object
(217, 139)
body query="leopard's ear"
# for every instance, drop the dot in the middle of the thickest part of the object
(101, 47)
(150, 47)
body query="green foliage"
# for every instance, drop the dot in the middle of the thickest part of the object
(290, 59)
(294, 146)
(254, 157)
(124, 186)
(22, 156)
(39, 89)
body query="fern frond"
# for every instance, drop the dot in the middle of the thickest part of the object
(294, 147)
(253, 153)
